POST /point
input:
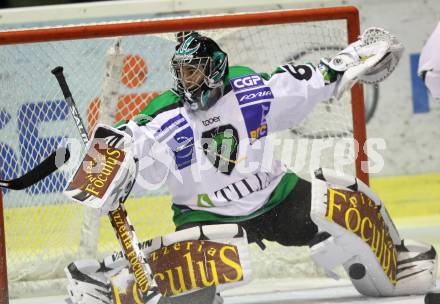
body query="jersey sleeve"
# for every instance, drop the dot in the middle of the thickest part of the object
(429, 64)
(296, 90)
(153, 166)
(153, 157)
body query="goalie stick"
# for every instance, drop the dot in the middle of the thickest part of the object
(58, 72)
(55, 160)
(143, 276)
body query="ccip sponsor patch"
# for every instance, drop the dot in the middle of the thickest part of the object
(246, 82)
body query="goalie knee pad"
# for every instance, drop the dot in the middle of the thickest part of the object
(357, 232)
(201, 257)
(183, 264)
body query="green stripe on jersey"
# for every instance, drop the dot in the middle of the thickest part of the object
(165, 101)
(286, 185)
(237, 71)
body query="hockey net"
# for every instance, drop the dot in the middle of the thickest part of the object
(114, 70)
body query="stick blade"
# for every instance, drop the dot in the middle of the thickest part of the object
(42, 170)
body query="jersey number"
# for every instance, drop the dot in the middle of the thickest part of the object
(300, 72)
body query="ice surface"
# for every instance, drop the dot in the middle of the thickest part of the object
(290, 291)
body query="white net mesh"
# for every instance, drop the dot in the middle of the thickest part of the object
(43, 231)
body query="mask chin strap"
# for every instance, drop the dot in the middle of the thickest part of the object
(188, 95)
(214, 84)
(189, 102)
(207, 97)
(194, 106)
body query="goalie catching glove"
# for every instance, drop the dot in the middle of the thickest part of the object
(370, 60)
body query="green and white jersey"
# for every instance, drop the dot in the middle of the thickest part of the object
(213, 162)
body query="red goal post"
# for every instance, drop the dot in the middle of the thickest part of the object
(42, 36)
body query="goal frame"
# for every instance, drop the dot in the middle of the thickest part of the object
(348, 13)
